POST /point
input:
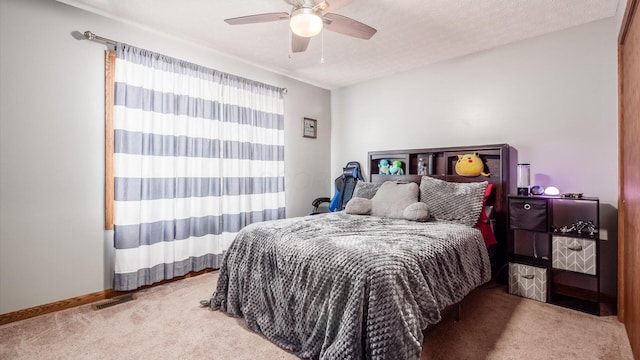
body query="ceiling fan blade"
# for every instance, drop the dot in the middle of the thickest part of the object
(259, 18)
(296, 3)
(299, 43)
(348, 26)
(333, 5)
(320, 5)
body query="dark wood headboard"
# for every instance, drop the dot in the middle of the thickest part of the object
(441, 162)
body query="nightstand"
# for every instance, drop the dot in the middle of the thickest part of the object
(554, 252)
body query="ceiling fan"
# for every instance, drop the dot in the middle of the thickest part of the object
(307, 19)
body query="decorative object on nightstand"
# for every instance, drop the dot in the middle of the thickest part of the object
(310, 128)
(537, 190)
(572, 195)
(524, 179)
(578, 227)
(551, 191)
(556, 255)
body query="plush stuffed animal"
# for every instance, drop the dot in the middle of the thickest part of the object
(383, 167)
(396, 168)
(470, 165)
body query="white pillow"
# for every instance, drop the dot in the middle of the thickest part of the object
(416, 212)
(358, 206)
(393, 198)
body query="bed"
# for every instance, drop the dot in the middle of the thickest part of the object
(356, 284)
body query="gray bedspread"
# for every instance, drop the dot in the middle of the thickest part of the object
(339, 286)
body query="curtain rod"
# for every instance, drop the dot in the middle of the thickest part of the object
(91, 36)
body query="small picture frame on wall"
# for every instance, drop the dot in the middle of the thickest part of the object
(310, 128)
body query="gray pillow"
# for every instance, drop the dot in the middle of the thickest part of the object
(416, 212)
(392, 198)
(358, 206)
(459, 202)
(366, 189)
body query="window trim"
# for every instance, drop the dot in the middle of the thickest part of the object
(109, 93)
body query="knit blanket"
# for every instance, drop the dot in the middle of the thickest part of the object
(339, 286)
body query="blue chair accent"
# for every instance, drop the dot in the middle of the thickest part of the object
(345, 184)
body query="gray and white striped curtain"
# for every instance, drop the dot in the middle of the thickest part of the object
(198, 155)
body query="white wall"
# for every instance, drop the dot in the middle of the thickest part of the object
(52, 243)
(622, 5)
(553, 98)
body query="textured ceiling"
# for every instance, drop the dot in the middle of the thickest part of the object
(411, 33)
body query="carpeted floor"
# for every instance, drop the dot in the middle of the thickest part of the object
(166, 322)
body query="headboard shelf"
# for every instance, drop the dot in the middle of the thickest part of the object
(408, 178)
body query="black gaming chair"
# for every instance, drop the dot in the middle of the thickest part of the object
(345, 184)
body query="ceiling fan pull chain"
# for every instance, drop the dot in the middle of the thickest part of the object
(290, 43)
(322, 46)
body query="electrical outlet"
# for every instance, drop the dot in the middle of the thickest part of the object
(604, 234)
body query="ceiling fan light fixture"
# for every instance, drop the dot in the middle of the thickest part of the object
(305, 22)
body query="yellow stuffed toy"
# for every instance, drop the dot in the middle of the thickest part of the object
(470, 165)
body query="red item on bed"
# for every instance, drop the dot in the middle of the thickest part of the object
(484, 224)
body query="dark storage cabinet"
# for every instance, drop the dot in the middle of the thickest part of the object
(555, 252)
